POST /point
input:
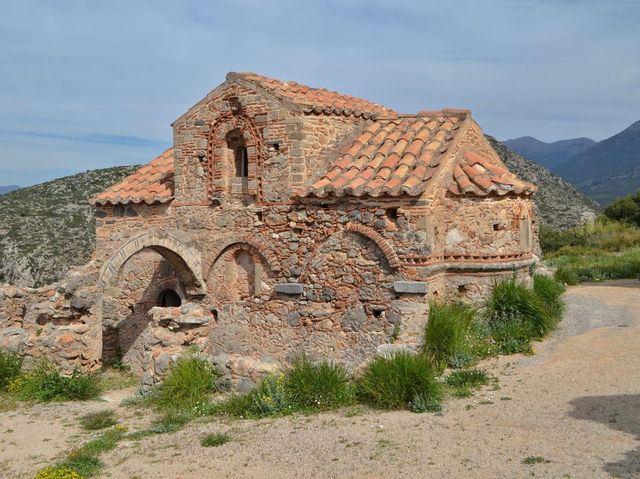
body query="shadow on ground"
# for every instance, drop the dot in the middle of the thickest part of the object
(620, 412)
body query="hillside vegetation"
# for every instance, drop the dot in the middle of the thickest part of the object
(48, 228)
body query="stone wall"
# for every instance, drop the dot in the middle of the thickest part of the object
(60, 321)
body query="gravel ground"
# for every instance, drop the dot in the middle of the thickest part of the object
(572, 410)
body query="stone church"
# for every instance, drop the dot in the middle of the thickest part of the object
(288, 218)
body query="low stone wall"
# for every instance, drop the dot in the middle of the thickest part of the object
(60, 321)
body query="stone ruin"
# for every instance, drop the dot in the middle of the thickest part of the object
(283, 219)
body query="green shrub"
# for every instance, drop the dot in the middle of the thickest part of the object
(98, 420)
(397, 381)
(45, 383)
(215, 439)
(626, 209)
(513, 311)
(317, 385)
(10, 367)
(269, 398)
(57, 472)
(419, 404)
(447, 334)
(189, 381)
(83, 463)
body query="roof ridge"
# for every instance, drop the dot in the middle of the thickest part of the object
(315, 100)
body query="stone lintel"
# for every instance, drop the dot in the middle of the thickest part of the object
(289, 288)
(414, 287)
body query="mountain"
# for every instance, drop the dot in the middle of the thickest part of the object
(559, 203)
(8, 188)
(549, 155)
(609, 169)
(47, 228)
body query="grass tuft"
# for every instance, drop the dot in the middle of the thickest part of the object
(447, 332)
(98, 420)
(306, 386)
(215, 439)
(45, 384)
(515, 312)
(10, 367)
(395, 382)
(189, 381)
(317, 385)
(468, 377)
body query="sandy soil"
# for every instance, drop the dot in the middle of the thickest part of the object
(575, 405)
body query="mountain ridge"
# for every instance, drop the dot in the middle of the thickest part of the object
(609, 169)
(551, 154)
(559, 203)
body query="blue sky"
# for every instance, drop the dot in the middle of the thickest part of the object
(89, 84)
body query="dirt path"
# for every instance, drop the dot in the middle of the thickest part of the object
(575, 406)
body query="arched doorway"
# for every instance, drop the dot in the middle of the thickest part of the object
(136, 280)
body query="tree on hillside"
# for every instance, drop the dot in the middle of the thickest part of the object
(625, 209)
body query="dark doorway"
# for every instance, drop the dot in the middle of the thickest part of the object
(169, 299)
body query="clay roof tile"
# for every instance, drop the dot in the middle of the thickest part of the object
(316, 100)
(152, 183)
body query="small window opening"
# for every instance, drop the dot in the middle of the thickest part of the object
(496, 227)
(276, 146)
(392, 213)
(259, 215)
(377, 313)
(169, 299)
(214, 312)
(462, 288)
(242, 162)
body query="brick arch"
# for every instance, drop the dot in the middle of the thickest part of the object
(253, 244)
(216, 164)
(383, 244)
(184, 259)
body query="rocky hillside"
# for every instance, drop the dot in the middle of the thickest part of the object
(559, 203)
(548, 155)
(47, 228)
(610, 169)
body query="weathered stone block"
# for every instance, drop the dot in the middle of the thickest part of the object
(411, 287)
(289, 288)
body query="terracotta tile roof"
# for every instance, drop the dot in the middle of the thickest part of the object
(477, 175)
(315, 100)
(393, 156)
(153, 183)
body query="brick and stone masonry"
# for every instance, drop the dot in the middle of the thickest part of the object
(284, 219)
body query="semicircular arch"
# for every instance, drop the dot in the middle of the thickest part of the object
(184, 259)
(253, 244)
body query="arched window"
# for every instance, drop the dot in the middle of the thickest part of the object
(168, 298)
(242, 162)
(238, 148)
